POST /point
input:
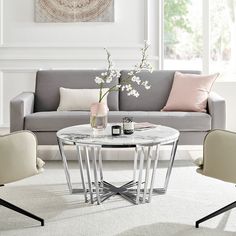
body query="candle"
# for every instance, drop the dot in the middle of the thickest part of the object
(128, 125)
(116, 130)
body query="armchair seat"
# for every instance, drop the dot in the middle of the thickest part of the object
(218, 162)
(18, 160)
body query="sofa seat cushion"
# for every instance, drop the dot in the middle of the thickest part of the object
(183, 121)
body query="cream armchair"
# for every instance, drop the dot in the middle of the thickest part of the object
(219, 161)
(18, 160)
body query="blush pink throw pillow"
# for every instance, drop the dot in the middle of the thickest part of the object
(189, 92)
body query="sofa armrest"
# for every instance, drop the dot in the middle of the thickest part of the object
(20, 106)
(217, 110)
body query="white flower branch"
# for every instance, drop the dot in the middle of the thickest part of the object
(125, 83)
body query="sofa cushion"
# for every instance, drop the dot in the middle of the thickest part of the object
(79, 99)
(183, 121)
(195, 88)
(153, 99)
(48, 82)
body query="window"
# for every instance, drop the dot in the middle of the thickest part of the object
(199, 35)
(223, 38)
(183, 34)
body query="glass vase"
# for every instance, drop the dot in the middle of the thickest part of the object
(98, 116)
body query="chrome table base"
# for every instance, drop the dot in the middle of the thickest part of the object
(110, 190)
(139, 190)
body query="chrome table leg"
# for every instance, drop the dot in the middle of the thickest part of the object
(96, 153)
(79, 156)
(100, 166)
(169, 169)
(141, 161)
(63, 156)
(148, 163)
(136, 154)
(154, 169)
(88, 173)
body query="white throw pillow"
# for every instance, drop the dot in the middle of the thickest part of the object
(79, 99)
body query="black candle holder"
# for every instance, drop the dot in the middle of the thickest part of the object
(116, 130)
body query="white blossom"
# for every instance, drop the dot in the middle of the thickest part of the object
(109, 79)
(146, 85)
(136, 79)
(99, 80)
(118, 74)
(128, 87)
(134, 93)
(126, 82)
(103, 74)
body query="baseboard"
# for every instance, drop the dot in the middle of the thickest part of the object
(5, 126)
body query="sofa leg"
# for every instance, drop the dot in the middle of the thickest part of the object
(21, 211)
(216, 213)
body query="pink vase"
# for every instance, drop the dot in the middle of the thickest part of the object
(98, 115)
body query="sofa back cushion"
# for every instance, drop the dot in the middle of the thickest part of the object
(153, 99)
(48, 83)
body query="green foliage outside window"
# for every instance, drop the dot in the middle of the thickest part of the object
(183, 32)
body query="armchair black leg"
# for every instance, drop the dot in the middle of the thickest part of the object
(21, 211)
(216, 213)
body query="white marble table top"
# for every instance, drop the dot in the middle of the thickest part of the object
(84, 134)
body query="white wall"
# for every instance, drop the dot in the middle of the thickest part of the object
(26, 46)
(228, 91)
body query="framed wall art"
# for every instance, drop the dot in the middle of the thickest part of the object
(74, 11)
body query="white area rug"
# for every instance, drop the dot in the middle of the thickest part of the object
(190, 196)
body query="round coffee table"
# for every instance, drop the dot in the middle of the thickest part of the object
(146, 144)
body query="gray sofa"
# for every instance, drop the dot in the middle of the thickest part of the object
(36, 111)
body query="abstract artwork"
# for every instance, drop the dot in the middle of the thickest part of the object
(74, 10)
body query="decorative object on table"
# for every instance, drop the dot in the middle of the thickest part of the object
(74, 11)
(124, 84)
(98, 115)
(195, 88)
(128, 125)
(116, 130)
(144, 126)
